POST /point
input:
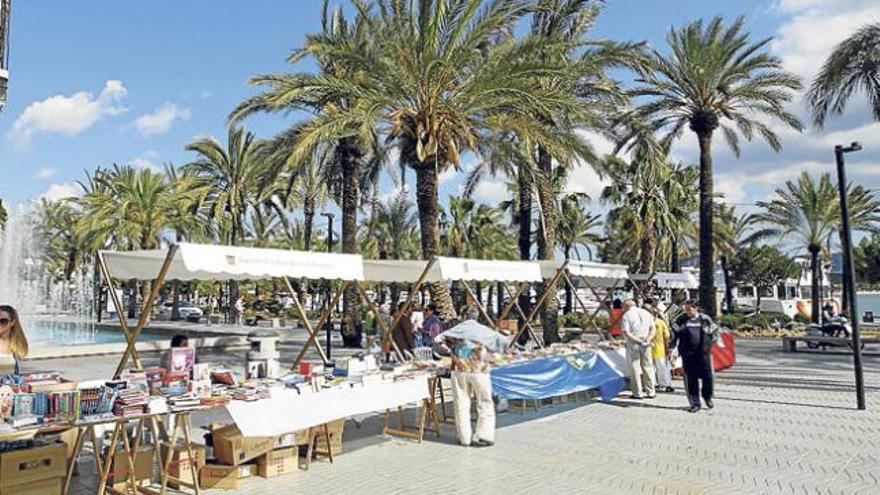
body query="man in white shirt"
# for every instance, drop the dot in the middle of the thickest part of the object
(637, 327)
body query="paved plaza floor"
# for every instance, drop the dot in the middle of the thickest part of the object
(783, 423)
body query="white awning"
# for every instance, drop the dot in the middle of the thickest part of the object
(670, 280)
(594, 273)
(211, 262)
(449, 269)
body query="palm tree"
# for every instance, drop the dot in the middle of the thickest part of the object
(3, 215)
(236, 178)
(445, 74)
(62, 250)
(575, 229)
(561, 27)
(640, 189)
(235, 175)
(714, 79)
(351, 160)
(854, 65)
(733, 233)
(809, 211)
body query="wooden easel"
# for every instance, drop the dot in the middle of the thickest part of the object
(322, 320)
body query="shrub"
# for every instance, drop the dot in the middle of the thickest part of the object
(573, 319)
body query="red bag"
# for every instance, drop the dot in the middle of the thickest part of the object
(724, 352)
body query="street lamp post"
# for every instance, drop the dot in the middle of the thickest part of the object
(329, 324)
(849, 279)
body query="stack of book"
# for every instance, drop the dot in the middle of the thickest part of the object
(57, 406)
(96, 402)
(186, 402)
(131, 402)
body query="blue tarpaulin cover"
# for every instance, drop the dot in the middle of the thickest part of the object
(555, 376)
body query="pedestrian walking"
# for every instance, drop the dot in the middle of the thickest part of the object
(660, 351)
(637, 327)
(694, 333)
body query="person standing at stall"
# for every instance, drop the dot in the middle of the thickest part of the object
(695, 333)
(13, 341)
(660, 351)
(402, 333)
(614, 318)
(637, 327)
(471, 380)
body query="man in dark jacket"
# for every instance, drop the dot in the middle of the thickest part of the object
(694, 333)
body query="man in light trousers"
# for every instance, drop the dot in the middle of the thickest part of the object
(637, 327)
(471, 380)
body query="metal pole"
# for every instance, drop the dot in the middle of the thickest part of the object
(849, 282)
(329, 325)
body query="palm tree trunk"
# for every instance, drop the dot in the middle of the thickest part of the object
(569, 299)
(814, 282)
(308, 222)
(728, 286)
(649, 250)
(707, 259)
(547, 244)
(350, 159)
(524, 240)
(429, 226)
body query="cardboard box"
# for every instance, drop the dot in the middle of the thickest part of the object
(231, 448)
(278, 462)
(18, 467)
(68, 437)
(49, 486)
(336, 429)
(143, 467)
(224, 477)
(180, 462)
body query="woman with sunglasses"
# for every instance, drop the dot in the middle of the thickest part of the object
(13, 342)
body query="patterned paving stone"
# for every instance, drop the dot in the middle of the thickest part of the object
(784, 424)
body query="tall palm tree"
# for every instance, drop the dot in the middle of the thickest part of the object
(444, 75)
(715, 79)
(640, 190)
(732, 233)
(235, 175)
(575, 229)
(351, 159)
(561, 27)
(809, 211)
(854, 65)
(3, 215)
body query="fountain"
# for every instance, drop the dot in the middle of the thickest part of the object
(27, 284)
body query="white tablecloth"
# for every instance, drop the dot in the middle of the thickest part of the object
(288, 411)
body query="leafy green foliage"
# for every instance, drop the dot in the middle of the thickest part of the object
(867, 259)
(762, 267)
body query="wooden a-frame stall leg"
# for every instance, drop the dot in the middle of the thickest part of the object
(132, 335)
(514, 302)
(538, 304)
(117, 304)
(313, 335)
(383, 327)
(583, 305)
(603, 301)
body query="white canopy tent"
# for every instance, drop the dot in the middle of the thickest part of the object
(670, 280)
(445, 269)
(186, 261)
(593, 275)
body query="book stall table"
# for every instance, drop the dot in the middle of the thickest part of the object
(565, 369)
(287, 410)
(130, 445)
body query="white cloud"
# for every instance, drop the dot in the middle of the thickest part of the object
(59, 191)
(491, 192)
(816, 26)
(447, 175)
(583, 179)
(45, 173)
(68, 115)
(146, 160)
(161, 120)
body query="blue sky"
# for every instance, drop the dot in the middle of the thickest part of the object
(102, 81)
